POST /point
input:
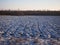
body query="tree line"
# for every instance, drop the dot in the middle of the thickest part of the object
(19, 13)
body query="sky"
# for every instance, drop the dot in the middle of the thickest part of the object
(30, 4)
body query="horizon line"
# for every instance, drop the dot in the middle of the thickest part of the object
(26, 10)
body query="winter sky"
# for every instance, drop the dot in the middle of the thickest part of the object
(30, 4)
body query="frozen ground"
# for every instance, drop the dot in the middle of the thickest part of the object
(29, 30)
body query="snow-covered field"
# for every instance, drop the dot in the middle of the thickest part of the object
(29, 30)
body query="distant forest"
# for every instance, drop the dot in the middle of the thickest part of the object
(21, 13)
